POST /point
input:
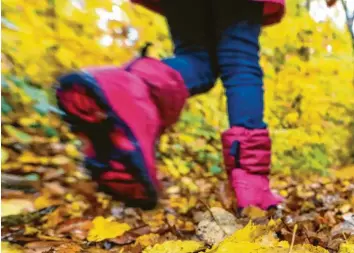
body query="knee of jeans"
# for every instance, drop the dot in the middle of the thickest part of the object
(199, 71)
(202, 87)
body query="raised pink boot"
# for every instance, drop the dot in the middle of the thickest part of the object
(119, 113)
(247, 157)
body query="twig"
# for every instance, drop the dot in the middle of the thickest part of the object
(284, 223)
(305, 232)
(212, 215)
(293, 239)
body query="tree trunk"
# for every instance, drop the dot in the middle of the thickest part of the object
(308, 4)
(349, 21)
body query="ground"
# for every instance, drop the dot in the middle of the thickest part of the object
(50, 205)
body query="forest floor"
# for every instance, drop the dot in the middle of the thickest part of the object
(49, 205)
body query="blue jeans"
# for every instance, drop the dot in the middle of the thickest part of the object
(220, 38)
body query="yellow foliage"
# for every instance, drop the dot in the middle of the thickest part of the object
(106, 229)
(308, 76)
(260, 239)
(65, 36)
(250, 239)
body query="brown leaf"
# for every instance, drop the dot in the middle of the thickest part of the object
(55, 188)
(68, 248)
(131, 236)
(74, 224)
(225, 195)
(330, 218)
(41, 246)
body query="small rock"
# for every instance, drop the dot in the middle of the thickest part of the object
(198, 216)
(346, 227)
(213, 229)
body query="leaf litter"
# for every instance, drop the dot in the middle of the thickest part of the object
(49, 205)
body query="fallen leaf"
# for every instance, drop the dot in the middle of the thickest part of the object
(16, 206)
(68, 248)
(4, 155)
(105, 229)
(41, 246)
(147, 240)
(74, 224)
(55, 188)
(44, 201)
(131, 235)
(346, 248)
(6, 247)
(253, 212)
(20, 136)
(175, 247)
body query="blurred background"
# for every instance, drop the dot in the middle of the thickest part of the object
(308, 62)
(307, 59)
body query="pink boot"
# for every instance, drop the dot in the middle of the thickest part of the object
(119, 113)
(247, 156)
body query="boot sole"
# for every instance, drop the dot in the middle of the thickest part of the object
(99, 127)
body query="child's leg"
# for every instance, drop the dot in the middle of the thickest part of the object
(120, 112)
(189, 23)
(247, 146)
(238, 58)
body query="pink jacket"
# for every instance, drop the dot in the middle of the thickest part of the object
(273, 9)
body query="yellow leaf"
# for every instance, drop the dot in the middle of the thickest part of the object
(33, 70)
(28, 157)
(18, 134)
(346, 248)
(27, 121)
(4, 155)
(15, 206)
(260, 239)
(345, 173)
(30, 230)
(72, 151)
(43, 202)
(189, 184)
(175, 247)
(254, 212)
(147, 240)
(65, 57)
(10, 248)
(60, 160)
(105, 229)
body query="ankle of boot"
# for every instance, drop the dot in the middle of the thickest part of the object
(247, 149)
(166, 87)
